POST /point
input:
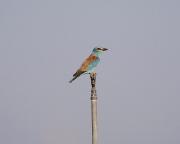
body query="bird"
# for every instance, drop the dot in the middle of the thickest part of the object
(90, 63)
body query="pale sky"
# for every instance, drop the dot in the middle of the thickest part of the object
(43, 42)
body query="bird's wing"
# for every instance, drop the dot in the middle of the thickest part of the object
(89, 62)
(93, 64)
(78, 73)
(85, 65)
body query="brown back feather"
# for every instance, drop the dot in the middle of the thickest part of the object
(85, 64)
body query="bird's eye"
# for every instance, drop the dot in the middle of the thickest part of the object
(98, 48)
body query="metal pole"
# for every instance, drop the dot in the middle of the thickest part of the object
(94, 108)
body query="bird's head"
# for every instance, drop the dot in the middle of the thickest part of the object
(99, 50)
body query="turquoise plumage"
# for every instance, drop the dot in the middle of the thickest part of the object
(90, 63)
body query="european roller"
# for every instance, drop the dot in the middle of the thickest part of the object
(90, 63)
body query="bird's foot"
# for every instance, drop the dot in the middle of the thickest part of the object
(93, 79)
(93, 74)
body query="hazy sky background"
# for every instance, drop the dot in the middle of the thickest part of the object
(43, 42)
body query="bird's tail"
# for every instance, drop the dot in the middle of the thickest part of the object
(73, 79)
(76, 75)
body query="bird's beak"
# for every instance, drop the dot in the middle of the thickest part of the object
(104, 49)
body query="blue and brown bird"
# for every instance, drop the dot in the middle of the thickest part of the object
(90, 63)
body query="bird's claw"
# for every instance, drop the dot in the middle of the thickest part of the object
(93, 74)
